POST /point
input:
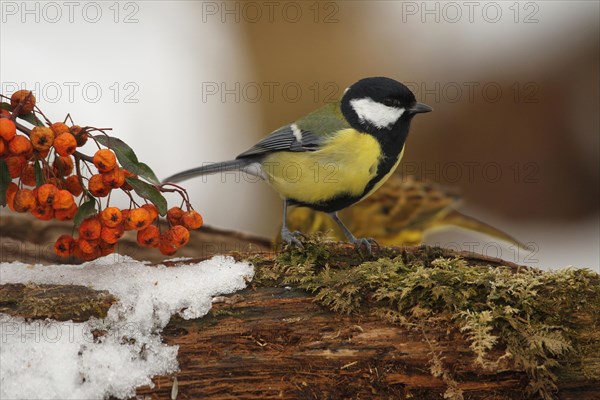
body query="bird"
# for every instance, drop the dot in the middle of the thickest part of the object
(400, 213)
(334, 156)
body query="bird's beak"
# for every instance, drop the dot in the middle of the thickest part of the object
(420, 108)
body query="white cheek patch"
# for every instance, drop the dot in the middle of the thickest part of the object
(377, 114)
(297, 132)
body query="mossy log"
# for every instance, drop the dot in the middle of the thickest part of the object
(278, 339)
(281, 342)
(265, 343)
(278, 343)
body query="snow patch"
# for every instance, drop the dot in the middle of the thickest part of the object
(62, 360)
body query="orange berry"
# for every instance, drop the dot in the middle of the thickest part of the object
(177, 236)
(59, 127)
(5, 113)
(20, 146)
(174, 215)
(63, 166)
(43, 212)
(80, 254)
(3, 147)
(64, 245)
(66, 215)
(128, 174)
(191, 220)
(115, 178)
(41, 154)
(10, 195)
(137, 219)
(41, 138)
(87, 246)
(24, 97)
(15, 165)
(73, 185)
(166, 248)
(76, 251)
(97, 186)
(152, 210)
(149, 237)
(28, 175)
(111, 235)
(46, 194)
(65, 144)
(125, 213)
(111, 217)
(80, 135)
(90, 229)
(55, 181)
(63, 200)
(24, 200)
(8, 129)
(105, 160)
(107, 248)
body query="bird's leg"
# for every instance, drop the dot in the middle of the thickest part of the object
(286, 235)
(367, 242)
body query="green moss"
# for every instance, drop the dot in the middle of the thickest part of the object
(547, 323)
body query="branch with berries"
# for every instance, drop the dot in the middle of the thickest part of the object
(44, 172)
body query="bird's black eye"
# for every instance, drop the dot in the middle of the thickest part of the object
(390, 102)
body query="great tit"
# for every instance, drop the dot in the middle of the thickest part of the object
(333, 157)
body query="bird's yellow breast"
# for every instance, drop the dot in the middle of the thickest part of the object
(342, 166)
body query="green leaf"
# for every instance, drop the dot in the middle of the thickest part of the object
(87, 209)
(117, 144)
(4, 181)
(146, 172)
(127, 157)
(39, 177)
(30, 117)
(149, 192)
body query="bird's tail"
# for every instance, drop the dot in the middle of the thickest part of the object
(248, 165)
(456, 218)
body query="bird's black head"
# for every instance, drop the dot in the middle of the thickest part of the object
(379, 105)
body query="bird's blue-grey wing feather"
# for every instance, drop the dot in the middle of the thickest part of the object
(287, 138)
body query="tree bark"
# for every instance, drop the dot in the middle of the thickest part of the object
(277, 343)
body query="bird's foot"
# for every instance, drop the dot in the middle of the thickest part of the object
(290, 238)
(366, 242)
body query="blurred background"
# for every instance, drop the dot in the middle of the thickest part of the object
(515, 88)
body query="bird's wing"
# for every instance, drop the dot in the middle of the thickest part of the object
(306, 134)
(287, 138)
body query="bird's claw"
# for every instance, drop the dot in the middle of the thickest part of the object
(366, 242)
(291, 238)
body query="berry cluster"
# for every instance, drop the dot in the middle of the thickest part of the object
(51, 182)
(99, 234)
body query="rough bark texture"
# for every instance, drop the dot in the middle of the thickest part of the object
(274, 343)
(278, 343)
